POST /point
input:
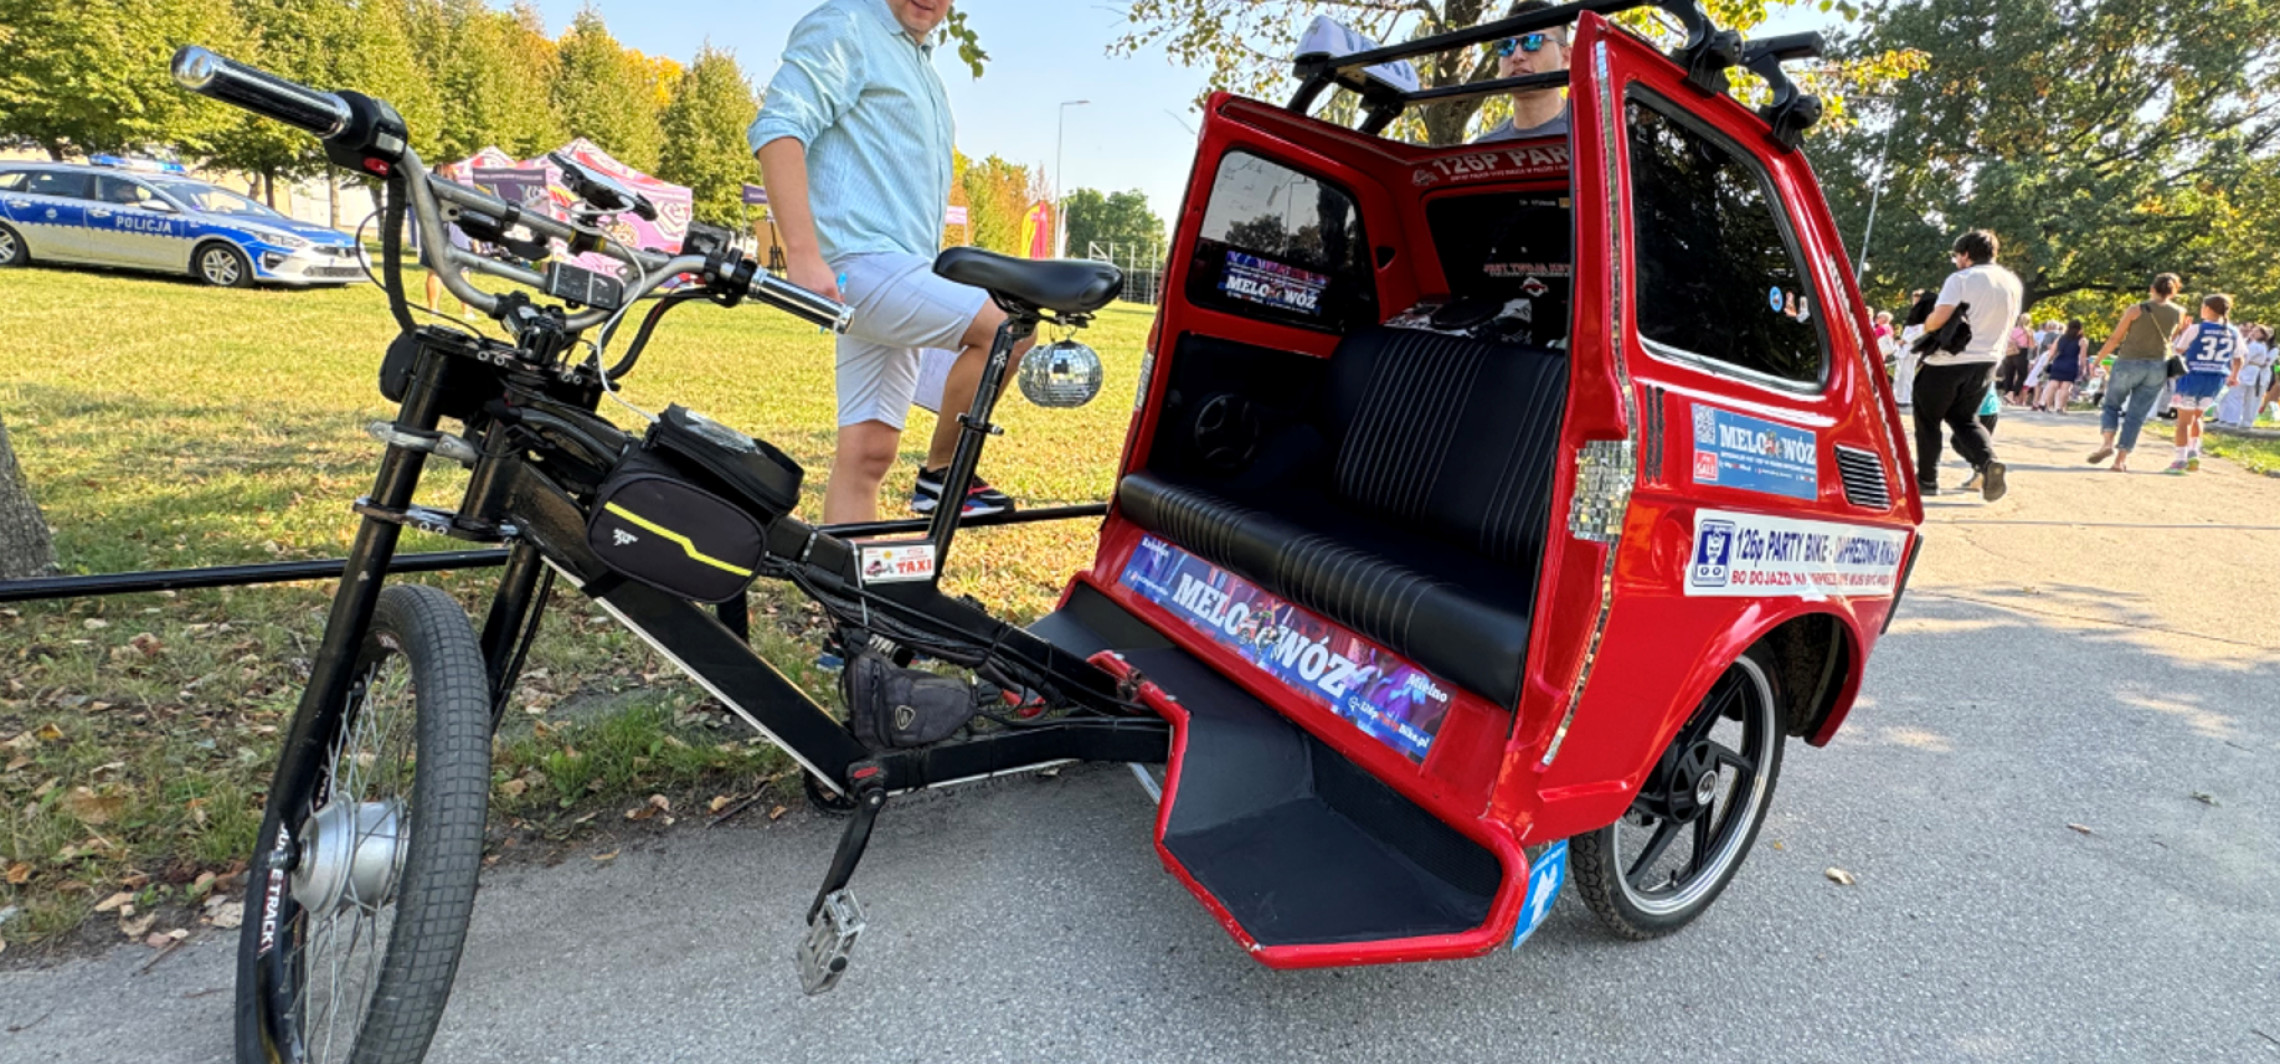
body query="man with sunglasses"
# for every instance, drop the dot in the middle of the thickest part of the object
(1538, 112)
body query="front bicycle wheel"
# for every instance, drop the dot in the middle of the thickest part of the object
(364, 872)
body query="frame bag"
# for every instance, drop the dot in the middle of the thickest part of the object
(687, 511)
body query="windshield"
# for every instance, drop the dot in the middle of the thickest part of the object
(213, 200)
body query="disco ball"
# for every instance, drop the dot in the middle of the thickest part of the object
(1061, 374)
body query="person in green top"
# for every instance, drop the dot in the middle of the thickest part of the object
(2140, 346)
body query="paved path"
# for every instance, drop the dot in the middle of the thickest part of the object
(2093, 651)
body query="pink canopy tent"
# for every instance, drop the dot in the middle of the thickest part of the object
(674, 203)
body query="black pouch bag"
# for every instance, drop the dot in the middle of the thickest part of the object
(890, 708)
(651, 524)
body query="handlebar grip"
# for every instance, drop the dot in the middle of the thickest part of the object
(322, 114)
(801, 303)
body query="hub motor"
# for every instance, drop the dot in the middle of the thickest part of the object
(349, 852)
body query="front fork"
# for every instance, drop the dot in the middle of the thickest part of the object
(333, 671)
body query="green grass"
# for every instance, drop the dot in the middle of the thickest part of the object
(165, 425)
(2258, 453)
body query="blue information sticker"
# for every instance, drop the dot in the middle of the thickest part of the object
(1545, 878)
(1773, 298)
(1737, 451)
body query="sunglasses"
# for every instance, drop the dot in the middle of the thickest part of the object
(1526, 42)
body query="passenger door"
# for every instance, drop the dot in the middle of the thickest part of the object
(135, 227)
(1722, 395)
(53, 217)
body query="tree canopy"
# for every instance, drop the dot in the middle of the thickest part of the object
(608, 93)
(704, 126)
(92, 76)
(2102, 141)
(1122, 219)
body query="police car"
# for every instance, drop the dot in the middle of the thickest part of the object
(100, 216)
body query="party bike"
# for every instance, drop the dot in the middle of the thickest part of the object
(1490, 519)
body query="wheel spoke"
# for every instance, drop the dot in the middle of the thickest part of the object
(1701, 842)
(1654, 850)
(1727, 756)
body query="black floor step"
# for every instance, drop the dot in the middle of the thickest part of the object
(1299, 844)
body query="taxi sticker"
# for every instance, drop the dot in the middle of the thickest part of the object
(1778, 557)
(1545, 878)
(1738, 451)
(895, 563)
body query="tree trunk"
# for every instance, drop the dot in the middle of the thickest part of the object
(269, 189)
(25, 549)
(332, 198)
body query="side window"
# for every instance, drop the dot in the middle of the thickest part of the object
(12, 181)
(1718, 277)
(1282, 246)
(122, 192)
(58, 183)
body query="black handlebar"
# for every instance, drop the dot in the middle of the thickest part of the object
(322, 114)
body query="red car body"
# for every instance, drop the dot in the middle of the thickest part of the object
(1619, 650)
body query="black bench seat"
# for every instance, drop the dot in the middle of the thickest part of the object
(1419, 519)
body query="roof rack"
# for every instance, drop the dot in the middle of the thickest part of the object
(1704, 55)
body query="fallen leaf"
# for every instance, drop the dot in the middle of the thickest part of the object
(776, 813)
(2205, 798)
(19, 873)
(134, 881)
(1839, 877)
(50, 733)
(1778, 846)
(179, 933)
(514, 788)
(610, 856)
(116, 901)
(719, 802)
(660, 803)
(96, 624)
(18, 762)
(201, 885)
(92, 808)
(2083, 828)
(228, 915)
(158, 941)
(137, 927)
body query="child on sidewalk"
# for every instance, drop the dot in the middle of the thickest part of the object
(2212, 350)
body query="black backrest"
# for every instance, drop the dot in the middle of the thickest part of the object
(1451, 436)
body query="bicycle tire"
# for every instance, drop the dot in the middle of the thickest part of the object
(434, 847)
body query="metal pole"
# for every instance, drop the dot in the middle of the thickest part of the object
(1060, 194)
(1883, 168)
(61, 587)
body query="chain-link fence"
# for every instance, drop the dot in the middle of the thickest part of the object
(1143, 266)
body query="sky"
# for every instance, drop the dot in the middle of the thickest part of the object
(1136, 133)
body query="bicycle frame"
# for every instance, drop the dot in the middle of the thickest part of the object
(508, 499)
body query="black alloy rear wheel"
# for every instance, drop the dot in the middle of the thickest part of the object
(1661, 865)
(363, 876)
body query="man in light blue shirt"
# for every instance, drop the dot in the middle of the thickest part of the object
(857, 113)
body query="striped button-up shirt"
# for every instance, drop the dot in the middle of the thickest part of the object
(864, 99)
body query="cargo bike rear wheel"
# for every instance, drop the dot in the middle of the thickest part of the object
(364, 871)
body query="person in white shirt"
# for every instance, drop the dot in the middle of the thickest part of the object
(2244, 400)
(1951, 384)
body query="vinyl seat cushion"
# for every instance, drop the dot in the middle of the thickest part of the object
(1419, 524)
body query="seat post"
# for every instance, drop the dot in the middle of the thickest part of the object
(974, 430)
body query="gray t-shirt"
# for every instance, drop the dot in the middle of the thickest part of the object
(1994, 295)
(1557, 127)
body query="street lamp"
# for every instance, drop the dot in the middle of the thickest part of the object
(1060, 197)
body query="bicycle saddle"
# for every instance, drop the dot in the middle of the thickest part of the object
(1064, 286)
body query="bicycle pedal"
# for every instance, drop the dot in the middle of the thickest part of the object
(822, 955)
